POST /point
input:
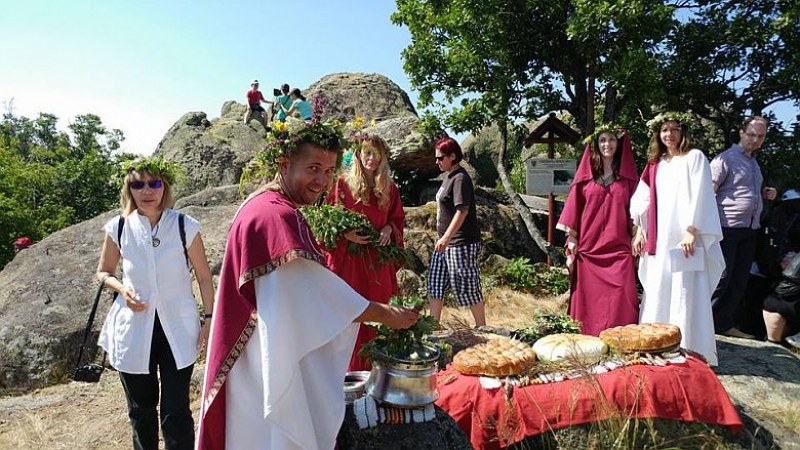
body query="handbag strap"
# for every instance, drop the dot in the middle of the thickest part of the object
(90, 322)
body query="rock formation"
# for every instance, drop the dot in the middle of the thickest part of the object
(213, 153)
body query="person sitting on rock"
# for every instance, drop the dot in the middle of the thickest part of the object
(254, 99)
(300, 107)
(284, 100)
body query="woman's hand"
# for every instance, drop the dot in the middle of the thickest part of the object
(637, 245)
(386, 235)
(441, 244)
(204, 331)
(353, 236)
(687, 244)
(132, 300)
(570, 250)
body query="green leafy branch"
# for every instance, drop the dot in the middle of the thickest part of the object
(329, 222)
(401, 344)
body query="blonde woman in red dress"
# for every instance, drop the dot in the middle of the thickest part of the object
(369, 190)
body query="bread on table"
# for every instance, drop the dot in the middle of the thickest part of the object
(570, 347)
(498, 357)
(643, 337)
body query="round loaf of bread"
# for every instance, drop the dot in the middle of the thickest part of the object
(643, 337)
(498, 357)
(576, 347)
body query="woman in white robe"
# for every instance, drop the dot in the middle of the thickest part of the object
(678, 236)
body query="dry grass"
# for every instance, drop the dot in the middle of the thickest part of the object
(505, 308)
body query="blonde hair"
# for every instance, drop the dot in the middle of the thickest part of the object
(128, 204)
(658, 148)
(357, 180)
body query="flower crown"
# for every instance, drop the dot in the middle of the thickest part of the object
(284, 138)
(614, 129)
(683, 119)
(156, 166)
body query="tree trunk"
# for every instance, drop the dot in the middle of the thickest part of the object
(516, 200)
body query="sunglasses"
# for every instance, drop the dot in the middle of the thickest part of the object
(139, 185)
(440, 158)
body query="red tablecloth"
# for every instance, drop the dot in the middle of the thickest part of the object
(689, 391)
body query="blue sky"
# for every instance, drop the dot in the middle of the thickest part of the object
(140, 65)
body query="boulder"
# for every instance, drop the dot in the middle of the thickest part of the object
(210, 153)
(46, 294)
(372, 96)
(213, 153)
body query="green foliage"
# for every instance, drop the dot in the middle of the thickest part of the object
(620, 61)
(546, 323)
(329, 222)
(156, 166)
(406, 344)
(48, 180)
(536, 278)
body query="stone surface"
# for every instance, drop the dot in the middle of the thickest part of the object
(213, 153)
(439, 434)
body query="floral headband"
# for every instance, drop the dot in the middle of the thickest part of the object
(616, 130)
(156, 166)
(286, 136)
(683, 119)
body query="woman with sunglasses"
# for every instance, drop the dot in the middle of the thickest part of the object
(153, 325)
(368, 189)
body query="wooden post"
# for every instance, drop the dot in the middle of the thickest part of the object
(551, 199)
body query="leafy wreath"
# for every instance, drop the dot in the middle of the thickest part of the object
(614, 129)
(284, 138)
(682, 118)
(156, 166)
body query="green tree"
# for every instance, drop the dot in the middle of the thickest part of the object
(47, 181)
(502, 61)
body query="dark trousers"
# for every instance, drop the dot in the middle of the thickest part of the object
(142, 393)
(738, 249)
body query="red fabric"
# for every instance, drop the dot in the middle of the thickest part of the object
(23, 242)
(688, 392)
(649, 178)
(267, 232)
(603, 288)
(362, 270)
(255, 97)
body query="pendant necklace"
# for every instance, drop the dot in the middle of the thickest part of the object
(156, 241)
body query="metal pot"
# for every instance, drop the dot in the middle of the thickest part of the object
(354, 385)
(405, 383)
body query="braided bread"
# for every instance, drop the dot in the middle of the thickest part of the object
(498, 357)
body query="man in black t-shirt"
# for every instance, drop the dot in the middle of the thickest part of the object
(454, 263)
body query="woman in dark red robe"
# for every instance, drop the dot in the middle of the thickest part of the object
(598, 224)
(369, 190)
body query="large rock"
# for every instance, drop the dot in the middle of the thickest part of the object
(372, 96)
(213, 153)
(46, 293)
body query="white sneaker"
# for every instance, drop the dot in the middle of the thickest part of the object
(793, 340)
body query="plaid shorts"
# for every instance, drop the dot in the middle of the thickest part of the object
(457, 268)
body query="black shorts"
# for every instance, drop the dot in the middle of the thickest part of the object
(257, 108)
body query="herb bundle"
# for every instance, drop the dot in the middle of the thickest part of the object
(328, 222)
(408, 344)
